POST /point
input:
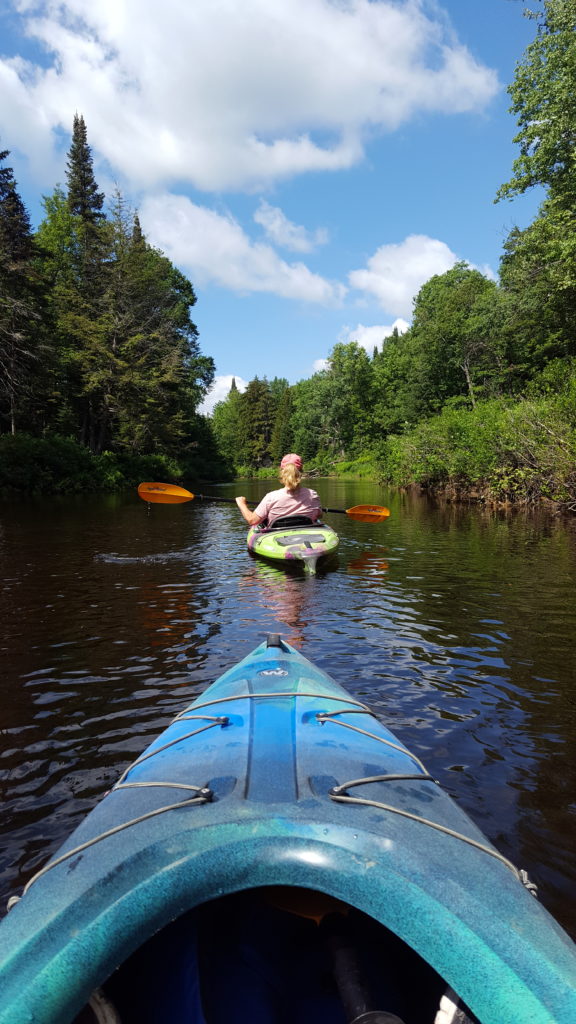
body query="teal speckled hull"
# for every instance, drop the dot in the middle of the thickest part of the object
(275, 776)
(296, 545)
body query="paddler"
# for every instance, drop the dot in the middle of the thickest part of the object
(292, 499)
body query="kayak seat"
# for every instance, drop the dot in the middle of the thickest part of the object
(287, 522)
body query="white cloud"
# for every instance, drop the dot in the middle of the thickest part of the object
(367, 337)
(227, 95)
(372, 337)
(320, 364)
(395, 273)
(220, 390)
(212, 247)
(284, 233)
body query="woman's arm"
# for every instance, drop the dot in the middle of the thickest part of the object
(251, 518)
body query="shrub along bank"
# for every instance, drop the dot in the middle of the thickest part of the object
(498, 452)
(58, 465)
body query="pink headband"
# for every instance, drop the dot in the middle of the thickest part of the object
(291, 460)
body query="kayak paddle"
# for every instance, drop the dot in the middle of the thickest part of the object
(171, 494)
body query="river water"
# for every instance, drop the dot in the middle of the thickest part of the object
(455, 624)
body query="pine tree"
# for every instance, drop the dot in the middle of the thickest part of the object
(282, 439)
(154, 373)
(257, 421)
(19, 297)
(137, 235)
(84, 199)
(228, 429)
(79, 300)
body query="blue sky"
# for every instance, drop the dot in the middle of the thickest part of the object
(307, 163)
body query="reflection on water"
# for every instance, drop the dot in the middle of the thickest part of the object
(455, 624)
(286, 597)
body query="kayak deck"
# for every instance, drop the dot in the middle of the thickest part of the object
(277, 777)
(295, 545)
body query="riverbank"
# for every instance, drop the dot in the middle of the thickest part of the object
(498, 453)
(58, 465)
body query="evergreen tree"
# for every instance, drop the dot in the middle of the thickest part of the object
(19, 299)
(282, 439)
(137, 236)
(84, 199)
(153, 371)
(228, 430)
(257, 420)
(131, 368)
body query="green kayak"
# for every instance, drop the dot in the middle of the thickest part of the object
(298, 543)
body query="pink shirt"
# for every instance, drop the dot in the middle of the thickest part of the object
(301, 502)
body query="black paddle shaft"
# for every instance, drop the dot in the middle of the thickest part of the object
(357, 999)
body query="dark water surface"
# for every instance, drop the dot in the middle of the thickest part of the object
(455, 624)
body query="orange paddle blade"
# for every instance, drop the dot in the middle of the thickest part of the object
(368, 513)
(164, 494)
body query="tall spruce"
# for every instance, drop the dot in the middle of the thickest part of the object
(82, 312)
(153, 371)
(19, 307)
(257, 419)
(84, 199)
(228, 428)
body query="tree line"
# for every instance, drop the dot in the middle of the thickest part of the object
(100, 362)
(97, 344)
(482, 386)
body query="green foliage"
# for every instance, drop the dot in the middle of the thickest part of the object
(544, 101)
(31, 464)
(282, 439)
(129, 374)
(454, 346)
(479, 395)
(59, 465)
(498, 452)
(252, 427)
(348, 389)
(538, 270)
(84, 199)
(227, 428)
(96, 340)
(310, 417)
(20, 303)
(363, 468)
(256, 422)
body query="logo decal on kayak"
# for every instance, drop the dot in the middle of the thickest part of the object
(273, 672)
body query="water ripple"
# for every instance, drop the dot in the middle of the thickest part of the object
(113, 619)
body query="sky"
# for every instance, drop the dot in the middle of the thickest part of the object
(308, 164)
